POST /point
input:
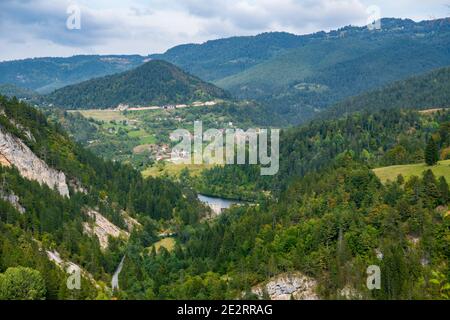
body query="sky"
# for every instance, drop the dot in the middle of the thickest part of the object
(37, 28)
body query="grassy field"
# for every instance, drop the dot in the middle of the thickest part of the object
(168, 243)
(172, 169)
(391, 173)
(431, 111)
(102, 115)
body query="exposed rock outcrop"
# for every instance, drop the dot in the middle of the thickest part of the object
(286, 286)
(13, 200)
(4, 162)
(14, 152)
(55, 257)
(103, 228)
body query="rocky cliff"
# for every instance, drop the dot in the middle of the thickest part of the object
(103, 228)
(288, 286)
(14, 152)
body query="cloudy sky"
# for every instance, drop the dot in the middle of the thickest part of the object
(34, 28)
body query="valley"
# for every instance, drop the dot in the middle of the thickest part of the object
(87, 179)
(142, 137)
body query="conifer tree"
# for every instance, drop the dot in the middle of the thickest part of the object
(444, 190)
(431, 153)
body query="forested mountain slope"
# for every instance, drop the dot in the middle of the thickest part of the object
(333, 218)
(383, 138)
(428, 91)
(60, 204)
(154, 83)
(216, 59)
(352, 60)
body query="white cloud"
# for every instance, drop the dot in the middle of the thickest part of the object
(38, 28)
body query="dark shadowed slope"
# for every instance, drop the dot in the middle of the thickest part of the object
(431, 90)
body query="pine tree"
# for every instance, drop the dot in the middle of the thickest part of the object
(430, 189)
(431, 153)
(444, 190)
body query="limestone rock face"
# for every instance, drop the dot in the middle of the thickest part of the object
(288, 285)
(14, 152)
(103, 228)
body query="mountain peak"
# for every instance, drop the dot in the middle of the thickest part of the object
(156, 82)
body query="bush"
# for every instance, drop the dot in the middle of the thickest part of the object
(22, 284)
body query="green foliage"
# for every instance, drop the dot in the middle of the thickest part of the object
(331, 219)
(377, 139)
(431, 152)
(431, 90)
(22, 284)
(329, 225)
(52, 222)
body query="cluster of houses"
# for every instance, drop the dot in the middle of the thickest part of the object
(158, 152)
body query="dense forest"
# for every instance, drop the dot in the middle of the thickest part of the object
(329, 222)
(11, 90)
(383, 138)
(45, 220)
(431, 90)
(294, 76)
(328, 226)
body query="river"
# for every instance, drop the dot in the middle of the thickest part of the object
(217, 204)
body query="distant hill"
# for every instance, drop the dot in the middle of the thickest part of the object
(299, 75)
(216, 59)
(296, 76)
(47, 74)
(431, 90)
(154, 83)
(11, 90)
(343, 63)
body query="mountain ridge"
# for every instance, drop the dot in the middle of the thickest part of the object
(45, 74)
(49, 73)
